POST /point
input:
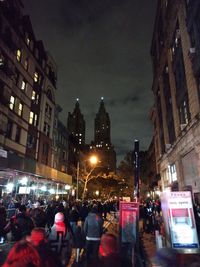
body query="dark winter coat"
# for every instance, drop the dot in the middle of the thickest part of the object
(93, 227)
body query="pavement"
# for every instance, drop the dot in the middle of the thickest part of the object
(148, 243)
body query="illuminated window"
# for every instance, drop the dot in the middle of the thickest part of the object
(31, 116)
(12, 102)
(35, 120)
(2, 60)
(20, 109)
(23, 86)
(36, 77)
(28, 41)
(172, 173)
(19, 53)
(33, 95)
(26, 64)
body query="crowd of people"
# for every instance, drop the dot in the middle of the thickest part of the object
(44, 234)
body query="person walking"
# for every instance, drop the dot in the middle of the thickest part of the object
(93, 229)
(59, 238)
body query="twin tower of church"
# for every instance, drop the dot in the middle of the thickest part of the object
(101, 146)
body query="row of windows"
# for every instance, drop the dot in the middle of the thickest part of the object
(37, 76)
(33, 117)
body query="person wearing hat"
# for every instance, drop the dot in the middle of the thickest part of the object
(59, 238)
(93, 229)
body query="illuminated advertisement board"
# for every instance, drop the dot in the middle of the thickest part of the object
(129, 213)
(179, 219)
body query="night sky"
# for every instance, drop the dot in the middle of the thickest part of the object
(102, 48)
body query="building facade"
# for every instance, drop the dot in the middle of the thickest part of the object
(27, 95)
(102, 141)
(176, 112)
(76, 140)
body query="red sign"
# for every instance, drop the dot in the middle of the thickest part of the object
(129, 214)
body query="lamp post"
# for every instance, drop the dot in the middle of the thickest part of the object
(93, 161)
(77, 179)
(136, 170)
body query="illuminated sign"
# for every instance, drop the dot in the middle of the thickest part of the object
(129, 213)
(179, 219)
(24, 190)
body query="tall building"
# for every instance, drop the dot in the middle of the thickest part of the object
(76, 124)
(76, 132)
(102, 127)
(176, 86)
(102, 141)
(27, 96)
(101, 146)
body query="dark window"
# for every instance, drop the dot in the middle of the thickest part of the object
(161, 131)
(168, 102)
(17, 135)
(9, 129)
(31, 141)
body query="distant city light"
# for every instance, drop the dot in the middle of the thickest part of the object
(43, 188)
(9, 187)
(34, 187)
(67, 187)
(24, 181)
(52, 191)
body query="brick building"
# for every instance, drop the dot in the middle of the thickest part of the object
(176, 113)
(28, 77)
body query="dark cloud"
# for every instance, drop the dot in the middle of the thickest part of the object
(102, 48)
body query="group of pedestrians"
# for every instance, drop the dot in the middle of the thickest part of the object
(46, 235)
(150, 214)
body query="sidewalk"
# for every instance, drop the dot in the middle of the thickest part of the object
(149, 247)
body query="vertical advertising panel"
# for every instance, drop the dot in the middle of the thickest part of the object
(129, 214)
(179, 219)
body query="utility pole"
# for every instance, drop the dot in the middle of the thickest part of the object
(136, 170)
(77, 179)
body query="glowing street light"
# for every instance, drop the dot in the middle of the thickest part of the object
(93, 160)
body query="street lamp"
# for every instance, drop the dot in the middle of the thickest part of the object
(97, 193)
(93, 161)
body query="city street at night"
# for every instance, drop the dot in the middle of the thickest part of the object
(99, 133)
